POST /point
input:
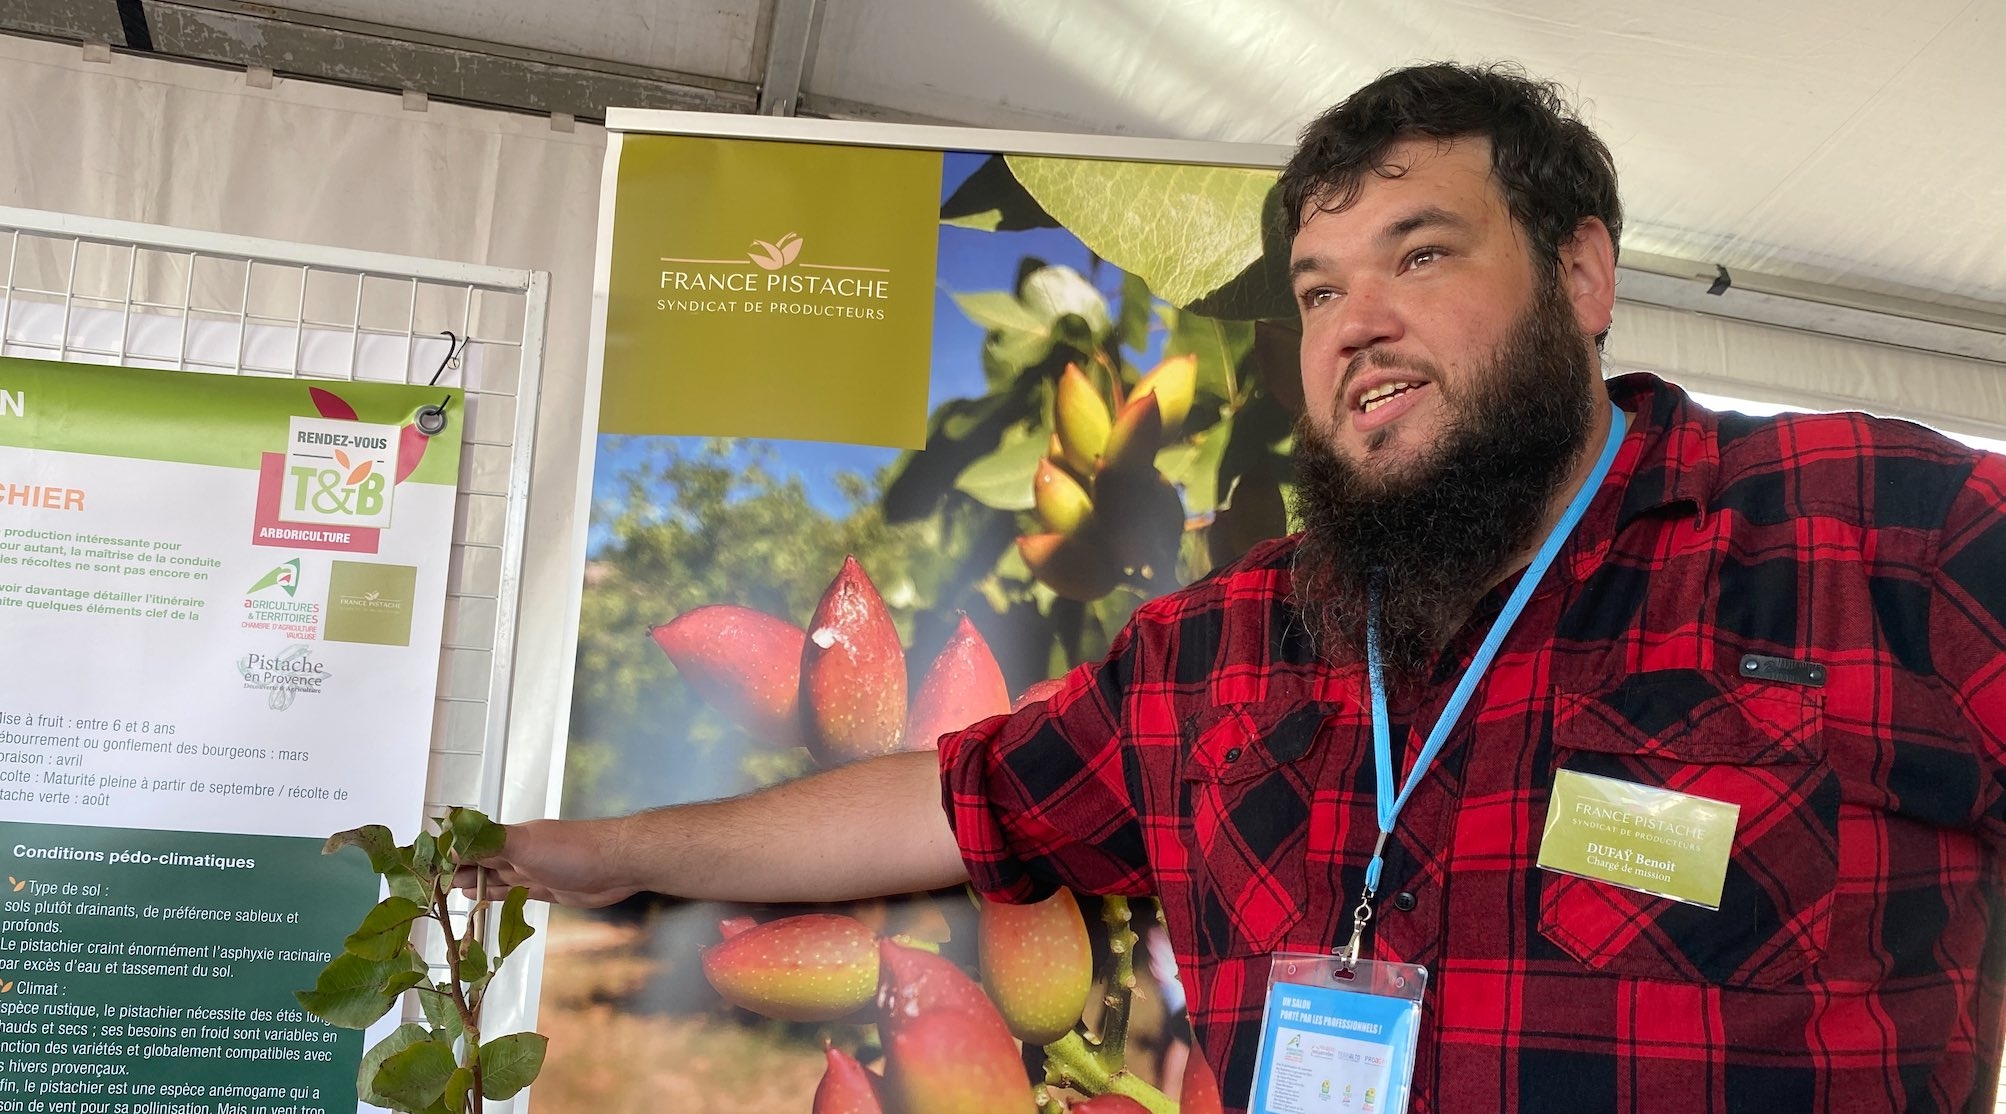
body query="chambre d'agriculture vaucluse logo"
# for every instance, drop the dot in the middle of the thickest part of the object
(284, 577)
(270, 604)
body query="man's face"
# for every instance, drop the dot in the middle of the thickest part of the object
(1422, 293)
(1405, 296)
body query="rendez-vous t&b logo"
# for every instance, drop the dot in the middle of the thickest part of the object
(339, 473)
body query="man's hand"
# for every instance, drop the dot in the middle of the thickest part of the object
(569, 862)
(867, 829)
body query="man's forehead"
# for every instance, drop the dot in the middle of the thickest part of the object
(1416, 178)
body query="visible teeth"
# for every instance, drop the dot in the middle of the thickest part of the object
(1372, 398)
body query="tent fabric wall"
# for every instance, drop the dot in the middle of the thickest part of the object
(143, 139)
(167, 143)
(1769, 364)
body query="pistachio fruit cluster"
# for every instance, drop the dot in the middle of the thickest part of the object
(1109, 516)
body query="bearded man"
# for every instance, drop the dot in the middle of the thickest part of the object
(1516, 587)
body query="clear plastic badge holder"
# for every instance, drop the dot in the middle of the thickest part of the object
(1337, 1038)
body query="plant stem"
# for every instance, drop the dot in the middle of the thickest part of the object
(469, 1012)
(1112, 1050)
(1071, 1062)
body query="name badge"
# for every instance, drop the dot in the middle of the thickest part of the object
(1656, 841)
(1337, 1038)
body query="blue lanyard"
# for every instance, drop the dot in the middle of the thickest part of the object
(1389, 805)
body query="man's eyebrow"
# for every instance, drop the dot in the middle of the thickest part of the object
(1431, 216)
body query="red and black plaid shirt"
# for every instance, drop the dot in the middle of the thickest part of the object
(1212, 760)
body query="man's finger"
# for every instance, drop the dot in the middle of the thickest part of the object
(467, 876)
(490, 883)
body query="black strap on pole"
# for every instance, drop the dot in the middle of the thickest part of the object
(132, 17)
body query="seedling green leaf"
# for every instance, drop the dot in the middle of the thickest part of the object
(510, 1063)
(514, 928)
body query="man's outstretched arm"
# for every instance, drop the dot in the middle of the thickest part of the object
(869, 828)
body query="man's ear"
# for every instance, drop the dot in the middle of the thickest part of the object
(1588, 276)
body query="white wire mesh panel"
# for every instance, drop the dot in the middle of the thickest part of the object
(112, 292)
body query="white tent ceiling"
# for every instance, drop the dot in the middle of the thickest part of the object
(1856, 143)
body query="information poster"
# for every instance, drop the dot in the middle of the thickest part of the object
(891, 438)
(222, 600)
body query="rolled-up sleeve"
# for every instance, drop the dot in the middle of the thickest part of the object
(1047, 796)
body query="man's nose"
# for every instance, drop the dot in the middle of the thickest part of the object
(1366, 318)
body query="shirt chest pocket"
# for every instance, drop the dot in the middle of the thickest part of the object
(1253, 821)
(1757, 746)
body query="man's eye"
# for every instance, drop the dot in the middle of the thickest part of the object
(1317, 296)
(1420, 257)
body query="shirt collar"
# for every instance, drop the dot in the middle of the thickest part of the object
(1677, 452)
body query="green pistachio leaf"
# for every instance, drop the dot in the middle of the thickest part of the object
(1135, 302)
(992, 200)
(472, 962)
(441, 1011)
(514, 927)
(1003, 479)
(1194, 465)
(425, 855)
(353, 992)
(457, 1086)
(999, 310)
(510, 1063)
(385, 857)
(473, 835)
(400, 1038)
(414, 1078)
(1193, 233)
(386, 929)
(1222, 348)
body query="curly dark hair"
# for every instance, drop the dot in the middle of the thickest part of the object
(1553, 171)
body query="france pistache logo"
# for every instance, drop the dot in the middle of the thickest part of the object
(773, 256)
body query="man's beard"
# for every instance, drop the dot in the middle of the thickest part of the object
(1438, 533)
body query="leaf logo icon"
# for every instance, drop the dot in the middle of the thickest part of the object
(341, 458)
(360, 474)
(330, 405)
(285, 576)
(773, 256)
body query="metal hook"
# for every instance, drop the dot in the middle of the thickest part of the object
(454, 347)
(431, 419)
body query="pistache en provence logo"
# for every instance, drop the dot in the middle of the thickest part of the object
(339, 473)
(773, 279)
(283, 676)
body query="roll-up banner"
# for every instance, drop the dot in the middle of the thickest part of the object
(221, 600)
(893, 424)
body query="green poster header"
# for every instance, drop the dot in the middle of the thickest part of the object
(205, 418)
(770, 289)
